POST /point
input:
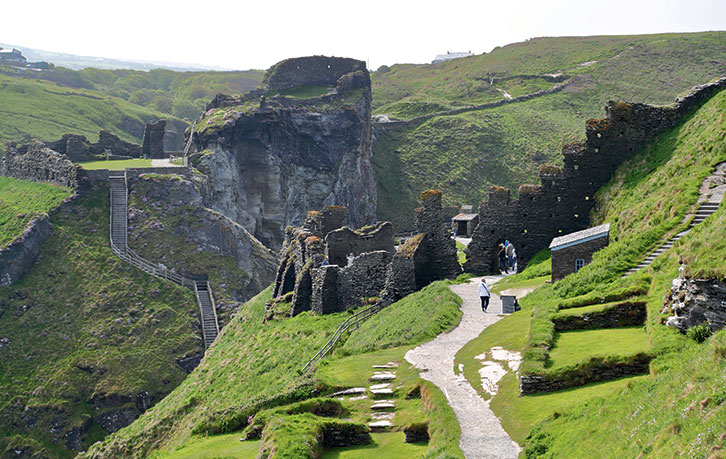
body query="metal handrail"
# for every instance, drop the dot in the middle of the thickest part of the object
(353, 321)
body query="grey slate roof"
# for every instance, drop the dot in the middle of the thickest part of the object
(465, 217)
(580, 237)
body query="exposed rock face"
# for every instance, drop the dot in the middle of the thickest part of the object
(169, 224)
(309, 71)
(562, 203)
(267, 164)
(39, 163)
(696, 301)
(152, 145)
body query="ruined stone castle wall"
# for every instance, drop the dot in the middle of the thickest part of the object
(563, 201)
(344, 241)
(39, 163)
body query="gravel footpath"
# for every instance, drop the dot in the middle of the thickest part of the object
(482, 435)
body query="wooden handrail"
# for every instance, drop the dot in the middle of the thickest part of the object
(352, 322)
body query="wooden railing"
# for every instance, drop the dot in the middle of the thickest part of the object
(351, 323)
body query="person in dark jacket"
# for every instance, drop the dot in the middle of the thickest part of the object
(503, 259)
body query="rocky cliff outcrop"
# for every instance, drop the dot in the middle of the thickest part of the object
(268, 160)
(169, 224)
(697, 301)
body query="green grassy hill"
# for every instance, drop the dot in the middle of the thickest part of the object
(677, 409)
(46, 110)
(86, 337)
(463, 154)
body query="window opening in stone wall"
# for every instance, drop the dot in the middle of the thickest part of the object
(587, 198)
(559, 231)
(599, 135)
(577, 215)
(524, 231)
(579, 263)
(559, 199)
(577, 166)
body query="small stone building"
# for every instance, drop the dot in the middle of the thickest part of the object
(573, 251)
(464, 223)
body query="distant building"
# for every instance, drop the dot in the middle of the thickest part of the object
(449, 55)
(573, 251)
(12, 56)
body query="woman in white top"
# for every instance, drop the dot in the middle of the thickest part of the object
(484, 294)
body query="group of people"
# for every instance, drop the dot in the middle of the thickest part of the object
(507, 257)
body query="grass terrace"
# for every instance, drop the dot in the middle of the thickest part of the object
(21, 201)
(117, 165)
(573, 347)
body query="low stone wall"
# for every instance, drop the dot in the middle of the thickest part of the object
(593, 372)
(628, 313)
(17, 258)
(348, 434)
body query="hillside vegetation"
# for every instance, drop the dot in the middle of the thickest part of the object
(86, 338)
(255, 365)
(21, 201)
(678, 408)
(464, 153)
(45, 111)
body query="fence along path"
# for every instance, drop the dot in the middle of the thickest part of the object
(118, 231)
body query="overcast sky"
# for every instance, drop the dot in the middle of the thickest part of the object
(242, 34)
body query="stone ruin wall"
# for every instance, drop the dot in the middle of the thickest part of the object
(696, 301)
(377, 273)
(78, 148)
(310, 71)
(152, 145)
(563, 201)
(36, 162)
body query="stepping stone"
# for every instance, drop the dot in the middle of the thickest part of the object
(352, 391)
(381, 392)
(381, 416)
(383, 377)
(389, 365)
(379, 386)
(383, 406)
(380, 425)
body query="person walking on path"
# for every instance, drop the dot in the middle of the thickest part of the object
(484, 294)
(503, 259)
(510, 254)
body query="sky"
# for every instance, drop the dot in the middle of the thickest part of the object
(244, 35)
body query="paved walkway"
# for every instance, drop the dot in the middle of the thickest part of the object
(482, 435)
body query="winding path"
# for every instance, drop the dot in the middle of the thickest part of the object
(482, 435)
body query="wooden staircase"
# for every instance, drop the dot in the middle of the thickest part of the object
(704, 211)
(118, 232)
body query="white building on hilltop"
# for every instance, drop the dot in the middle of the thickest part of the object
(449, 55)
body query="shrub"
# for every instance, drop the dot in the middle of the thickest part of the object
(699, 333)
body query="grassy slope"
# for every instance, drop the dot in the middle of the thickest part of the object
(642, 211)
(21, 201)
(82, 325)
(45, 110)
(116, 165)
(464, 154)
(252, 361)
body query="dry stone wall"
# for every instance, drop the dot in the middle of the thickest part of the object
(562, 203)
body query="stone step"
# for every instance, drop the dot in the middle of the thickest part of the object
(380, 425)
(382, 377)
(351, 391)
(386, 366)
(383, 406)
(381, 392)
(380, 386)
(382, 415)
